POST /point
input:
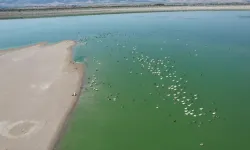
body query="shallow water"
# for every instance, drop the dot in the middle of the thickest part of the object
(133, 63)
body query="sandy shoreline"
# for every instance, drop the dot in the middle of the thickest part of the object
(36, 13)
(37, 83)
(8, 50)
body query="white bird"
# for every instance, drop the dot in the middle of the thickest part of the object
(74, 94)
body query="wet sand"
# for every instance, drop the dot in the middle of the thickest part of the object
(53, 12)
(36, 94)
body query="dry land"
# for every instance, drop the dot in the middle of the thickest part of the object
(36, 94)
(53, 12)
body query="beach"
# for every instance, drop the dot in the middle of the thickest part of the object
(40, 85)
(54, 12)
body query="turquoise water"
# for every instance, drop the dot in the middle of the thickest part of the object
(133, 63)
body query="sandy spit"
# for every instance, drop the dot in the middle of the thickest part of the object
(94, 11)
(36, 94)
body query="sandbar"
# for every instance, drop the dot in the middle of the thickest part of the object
(37, 89)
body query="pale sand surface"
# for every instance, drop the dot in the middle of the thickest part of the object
(92, 11)
(37, 83)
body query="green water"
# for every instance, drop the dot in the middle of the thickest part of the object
(211, 53)
(126, 104)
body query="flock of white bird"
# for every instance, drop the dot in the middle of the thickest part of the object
(173, 83)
